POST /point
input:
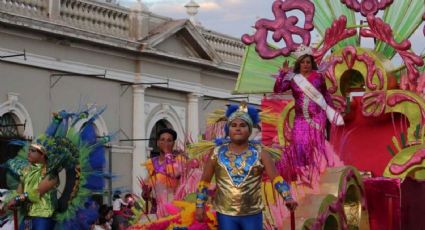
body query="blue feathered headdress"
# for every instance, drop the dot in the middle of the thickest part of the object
(243, 111)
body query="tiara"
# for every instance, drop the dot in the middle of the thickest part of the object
(243, 107)
(303, 50)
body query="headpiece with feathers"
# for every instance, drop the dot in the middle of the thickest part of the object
(81, 153)
(243, 111)
(250, 114)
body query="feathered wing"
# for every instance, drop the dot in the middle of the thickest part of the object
(85, 159)
(80, 152)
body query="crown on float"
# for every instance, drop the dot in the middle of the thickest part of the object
(303, 50)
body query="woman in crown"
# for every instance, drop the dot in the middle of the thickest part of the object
(313, 104)
(238, 167)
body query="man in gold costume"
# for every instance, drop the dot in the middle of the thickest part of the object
(238, 168)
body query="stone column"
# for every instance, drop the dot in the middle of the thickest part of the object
(54, 8)
(193, 116)
(139, 21)
(139, 153)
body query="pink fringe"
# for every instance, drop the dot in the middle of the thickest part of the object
(215, 130)
(189, 184)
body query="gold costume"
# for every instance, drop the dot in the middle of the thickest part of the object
(238, 179)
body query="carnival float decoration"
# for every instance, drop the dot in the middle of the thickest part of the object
(383, 103)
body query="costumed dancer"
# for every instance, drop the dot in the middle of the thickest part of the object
(164, 172)
(313, 104)
(80, 153)
(238, 167)
(37, 190)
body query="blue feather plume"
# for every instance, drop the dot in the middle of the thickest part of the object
(95, 182)
(253, 113)
(88, 133)
(62, 128)
(84, 218)
(97, 157)
(231, 109)
(59, 124)
(51, 129)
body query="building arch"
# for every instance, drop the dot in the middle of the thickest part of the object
(168, 113)
(20, 114)
(16, 124)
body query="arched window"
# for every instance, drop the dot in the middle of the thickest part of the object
(161, 124)
(9, 130)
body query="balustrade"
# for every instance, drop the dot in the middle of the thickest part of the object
(105, 19)
(30, 8)
(83, 14)
(96, 17)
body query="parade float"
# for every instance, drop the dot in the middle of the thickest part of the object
(383, 104)
(380, 183)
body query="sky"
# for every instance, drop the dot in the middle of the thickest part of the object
(237, 17)
(232, 17)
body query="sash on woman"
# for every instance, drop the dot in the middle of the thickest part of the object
(311, 92)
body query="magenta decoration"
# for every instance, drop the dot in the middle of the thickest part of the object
(350, 56)
(333, 35)
(330, 73)
(416, 159)
(374, 103)
(397, 98)
(366, 7)
(421, 84)
(380, 30)
(283, 27)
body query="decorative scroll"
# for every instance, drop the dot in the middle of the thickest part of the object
(333, 35)
(380, 30)
(330, 73)
(416, 159)
(374, 103)
(408, 162)
(350, 56)
(367, 7)
(397, 98)
(283, 27)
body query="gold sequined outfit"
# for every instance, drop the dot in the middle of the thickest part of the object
(238, 178)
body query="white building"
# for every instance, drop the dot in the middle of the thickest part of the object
(150, 71)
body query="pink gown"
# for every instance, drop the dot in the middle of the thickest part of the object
(307, 147)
